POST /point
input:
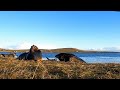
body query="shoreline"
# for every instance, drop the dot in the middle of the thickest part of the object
(60, 50)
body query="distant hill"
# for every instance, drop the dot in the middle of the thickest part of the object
(59, 50)
(2, 49)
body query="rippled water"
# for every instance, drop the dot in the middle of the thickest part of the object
(89, 57)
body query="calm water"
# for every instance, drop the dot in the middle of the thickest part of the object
(89, 57)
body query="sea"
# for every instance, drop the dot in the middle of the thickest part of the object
(94, 57)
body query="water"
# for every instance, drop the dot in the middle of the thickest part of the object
(88, 57)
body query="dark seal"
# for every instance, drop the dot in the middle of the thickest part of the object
(33, 54)
(67, 56)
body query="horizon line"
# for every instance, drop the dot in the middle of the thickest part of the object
(66, 48)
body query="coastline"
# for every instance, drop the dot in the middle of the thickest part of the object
(59, 50)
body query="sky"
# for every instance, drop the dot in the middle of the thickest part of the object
(86, 30)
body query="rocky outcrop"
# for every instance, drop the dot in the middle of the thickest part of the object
(11, 55)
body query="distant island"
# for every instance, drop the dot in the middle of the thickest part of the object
(59, 50)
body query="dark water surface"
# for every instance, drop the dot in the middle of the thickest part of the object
(106, 57)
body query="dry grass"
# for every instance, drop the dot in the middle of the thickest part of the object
(15, 69)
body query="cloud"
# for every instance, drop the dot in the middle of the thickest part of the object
(108, 49)
(27, 45)
(112, 48)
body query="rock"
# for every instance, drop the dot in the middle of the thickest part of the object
(12, 55)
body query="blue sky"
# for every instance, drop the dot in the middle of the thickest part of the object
(60, 29)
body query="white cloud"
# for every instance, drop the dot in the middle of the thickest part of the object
(27, 45)
(112, 48)
(108, 49)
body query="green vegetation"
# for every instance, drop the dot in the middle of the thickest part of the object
(15, 69)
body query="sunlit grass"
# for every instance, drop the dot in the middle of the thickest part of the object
(15, 69)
